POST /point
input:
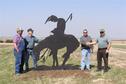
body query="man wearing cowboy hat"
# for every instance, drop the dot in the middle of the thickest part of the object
(18, 48)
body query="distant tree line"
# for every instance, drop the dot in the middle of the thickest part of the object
(6, 41)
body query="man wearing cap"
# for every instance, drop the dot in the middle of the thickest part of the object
(85, 61)
(18, 48)
(104, 45)
(31, 40)
(103, 50)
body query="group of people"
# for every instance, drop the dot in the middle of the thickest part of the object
(23, 48)
(104, 45)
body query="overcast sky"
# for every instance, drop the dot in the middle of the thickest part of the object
(94, 14)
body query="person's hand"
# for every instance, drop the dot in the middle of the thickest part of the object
(17, 50)
(107, 51)
(88, 43)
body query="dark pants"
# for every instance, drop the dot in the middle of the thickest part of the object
(101, 54)
(23, 61)
(30, 52)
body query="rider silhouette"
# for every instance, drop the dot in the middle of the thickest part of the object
(61, 24)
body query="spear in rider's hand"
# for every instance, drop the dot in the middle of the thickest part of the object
(70, 17)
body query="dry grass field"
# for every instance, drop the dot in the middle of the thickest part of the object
(71, 74)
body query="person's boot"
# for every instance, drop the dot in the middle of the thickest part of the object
(21, 70)
(27, 70)
(99, 69)
(106, 69)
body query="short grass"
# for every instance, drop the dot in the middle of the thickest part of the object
(115, 76)
(119, 46)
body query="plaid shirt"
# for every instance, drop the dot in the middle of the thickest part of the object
(19, 41)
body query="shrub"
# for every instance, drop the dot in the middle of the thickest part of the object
(9, 41)
(1, 41)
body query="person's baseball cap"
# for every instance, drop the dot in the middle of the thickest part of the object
(19, 29)
(85, 30)
(102, 30)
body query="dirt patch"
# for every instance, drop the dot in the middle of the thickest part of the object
(55, 74)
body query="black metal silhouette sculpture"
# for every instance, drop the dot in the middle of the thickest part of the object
(57, 41)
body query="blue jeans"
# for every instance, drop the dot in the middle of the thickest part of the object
(18, 56)
(85, 61)
(31, 53)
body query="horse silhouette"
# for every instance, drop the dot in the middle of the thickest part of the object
(57, 41)
(54, 43)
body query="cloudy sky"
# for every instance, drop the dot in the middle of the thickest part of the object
(90, 14)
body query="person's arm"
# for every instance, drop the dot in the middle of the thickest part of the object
(108, 46)
(36, 40)
(92, 43)
(14, 44)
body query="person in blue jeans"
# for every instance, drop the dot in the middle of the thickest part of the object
(18, 48)
(31, 40)
(85, 49)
